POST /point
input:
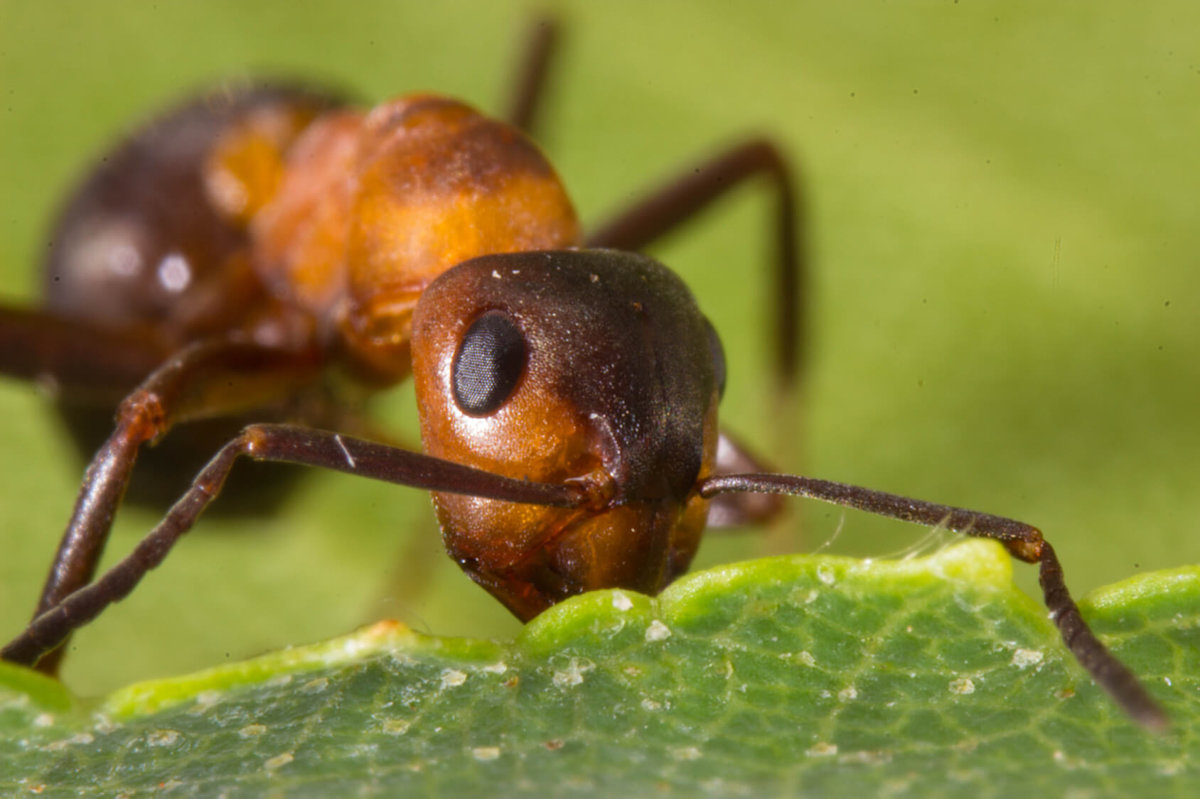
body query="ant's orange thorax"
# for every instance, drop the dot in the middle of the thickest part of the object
(361, 212)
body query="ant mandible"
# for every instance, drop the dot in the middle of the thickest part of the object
(237, 250)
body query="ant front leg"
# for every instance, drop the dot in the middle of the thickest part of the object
(282, 443)
(215, 378)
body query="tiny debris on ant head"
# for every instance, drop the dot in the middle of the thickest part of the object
(567, 387)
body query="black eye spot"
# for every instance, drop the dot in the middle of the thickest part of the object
(488, 364)
(717, 351)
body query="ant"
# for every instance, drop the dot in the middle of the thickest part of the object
(247, 255)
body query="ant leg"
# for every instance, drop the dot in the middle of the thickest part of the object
(208, 379)
(1023, 541)
(692, 191)
(286, 443)
(77, 359)
(680, 200)
(530, 84)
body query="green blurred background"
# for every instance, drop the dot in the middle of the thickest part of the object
(1005, 289)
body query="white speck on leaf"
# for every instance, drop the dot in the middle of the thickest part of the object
(251, 730)
(279, 761)
(315, 686)
(621, 601)
(657, 631)
(822, 750)
(573, 674)
(396, 726)
(846, 694)
(686, 753)
(962, 686)
(866, 757)
(485, 752)
(80, 738)
(205, 700)
(452, 678)
(163, 737)
(825, 574)
(1024, 658)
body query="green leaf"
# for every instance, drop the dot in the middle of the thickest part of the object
(1001, 203)
(812, 676)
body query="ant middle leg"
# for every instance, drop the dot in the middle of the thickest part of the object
(528, 88)
(677, 202)
(687, 194)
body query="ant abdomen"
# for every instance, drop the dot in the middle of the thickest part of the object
(152, 245)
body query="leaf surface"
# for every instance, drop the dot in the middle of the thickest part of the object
(806, 675)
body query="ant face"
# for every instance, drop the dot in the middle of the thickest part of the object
(589, 366)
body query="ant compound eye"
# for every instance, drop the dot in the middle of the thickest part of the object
(717, 351)
(488, 364)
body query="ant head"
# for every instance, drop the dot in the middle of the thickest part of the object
(591, 366)
(437, 183)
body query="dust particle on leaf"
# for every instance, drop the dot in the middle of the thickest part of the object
(962, 686)
(822, 750)
(572, 675)
(81, 738)
(279, 761)
(1024, 658)
(686, 753)
(315, 686)
(251, 730)
(657, 631)
(163, 737)
(205, 701)
(396, 726)
(452, 678)
(485, 752)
